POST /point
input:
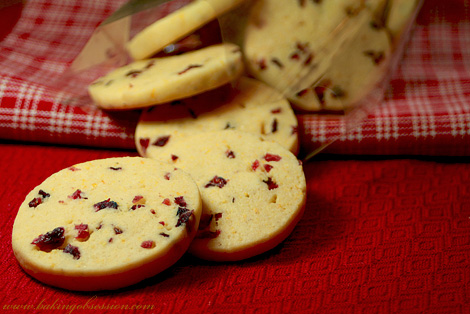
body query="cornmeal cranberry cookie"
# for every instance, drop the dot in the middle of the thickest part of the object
(249, 106)
(176, 25)
(107, 223)
(293, 45)
(253, 191)
(160, 80)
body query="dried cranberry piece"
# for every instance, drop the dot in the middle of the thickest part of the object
(43, 194)
(184, 216)
(115, 168)
(174, 157)
(191, 66)
(50, 240)
(77, 195)
(255, 165)
(118, 230)
(271, 184)
(207, 234)
(137, 198)
(70, 249)
(309, 59)
(163, 234)
(105, 204)
(134, 207)
(262, 64)
(144, 143)
(166, 201)
(133, 73)
(216, 181)
(161, 141)
(272, 157)
(218, 216)
(148, 244)
(268, 167)
(277, 62)
(230, 154)
(276, 111)
(35, 202)
(205, 221)
(83, 232)
(73, 168)
(180, 201)
(161, 223)
(167, 176)
(302, 92)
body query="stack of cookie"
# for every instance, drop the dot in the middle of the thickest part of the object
(218, 174)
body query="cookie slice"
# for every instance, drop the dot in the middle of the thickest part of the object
(160, 80)
(253, 191)
(291, 45)
(176, 25)
(249, 106)
(106, 224)
(356, 70)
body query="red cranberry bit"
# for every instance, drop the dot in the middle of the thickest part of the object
(180, 201)
(144, 143)
(78, 194)
(184, 216)
(174, 157)
(35, 202)
(110, 240)
(276, 111)
(309, 59)
(295, 56)
(262, 64)
(163, 234)
(162, 223)
(205, 221)
(255, 165)
(115, 168)
(272, 157)
(83, 232)
(167, 176)
(153, 212)
(166, 201)
(105, 204)
(191, 66)
(161, 141)
(271, 184)
(43, 194)
(208, 234)
(218, 216)
(134, 207)
(70, 249)
(148, 244)
(137, 198)
(73, 168)
(118, 230)
(268, 167)
(230, 154)
(216, 181)
(150, 64)
(302, 92)
(50, 240)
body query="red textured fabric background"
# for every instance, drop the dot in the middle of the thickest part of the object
(379, 234)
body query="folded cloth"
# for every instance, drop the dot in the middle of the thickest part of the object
(426, 109)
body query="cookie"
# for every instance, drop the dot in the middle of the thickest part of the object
(253, 191)
(356, 70)
(160, 80)
(249, 106)
(106, 224)
(177, 25)
(290, 45)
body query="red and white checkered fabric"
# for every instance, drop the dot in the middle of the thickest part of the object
(426, 109)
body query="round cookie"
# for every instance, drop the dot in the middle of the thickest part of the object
(290, 45)
(159, 80)
(249, 106)
(106, 224)
(253, 191)
(176, 25)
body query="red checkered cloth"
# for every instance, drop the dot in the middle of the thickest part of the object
(426, 109)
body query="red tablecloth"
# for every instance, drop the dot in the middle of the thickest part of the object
(426, 110)
(378, 236)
